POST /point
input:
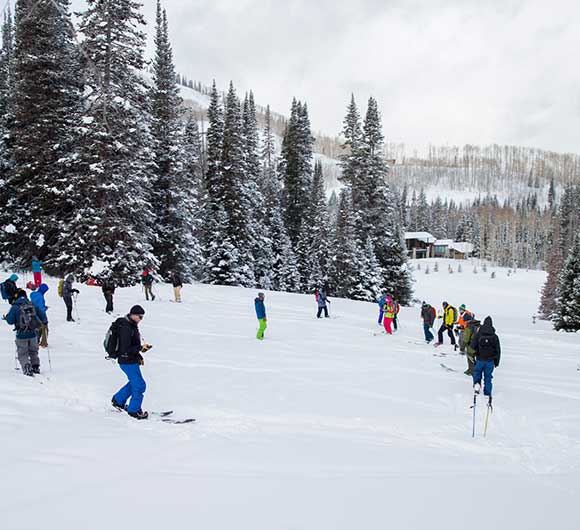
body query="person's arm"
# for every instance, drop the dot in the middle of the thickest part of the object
(475, 343)
(498, 352)
(42, 316)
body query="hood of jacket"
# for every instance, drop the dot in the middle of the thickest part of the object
(487, 327)
(43, 288)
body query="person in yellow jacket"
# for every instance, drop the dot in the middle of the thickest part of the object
(449, 317)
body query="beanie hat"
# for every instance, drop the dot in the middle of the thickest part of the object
(462, 307)
(445, 304)
(137, 310)
(14, 277)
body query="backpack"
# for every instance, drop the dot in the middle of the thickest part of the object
(3, 291)
(28, 319)
(60, 287)
(111, 342)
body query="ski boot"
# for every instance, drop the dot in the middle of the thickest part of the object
(117, 405)
(27, 370)
(139, 415)
(36, 369)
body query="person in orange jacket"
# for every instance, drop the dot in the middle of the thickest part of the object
(464, 317)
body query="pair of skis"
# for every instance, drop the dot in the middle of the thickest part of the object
(165, 419)
(487, 415)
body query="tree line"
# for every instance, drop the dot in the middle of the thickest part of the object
(103, 168)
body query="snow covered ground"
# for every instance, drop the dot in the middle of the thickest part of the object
(322, 426)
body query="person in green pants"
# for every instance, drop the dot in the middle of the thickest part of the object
(261, 314)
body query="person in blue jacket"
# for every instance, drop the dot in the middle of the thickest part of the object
(381, 301)
(130, 361)
(26, 319)
(261, 314)
(37, 271)
(37, 298)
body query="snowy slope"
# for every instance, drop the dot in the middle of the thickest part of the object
(321, 426)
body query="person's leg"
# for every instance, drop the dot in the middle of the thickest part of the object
(488, 377)
(325, 312)
(461, 343)
(477, 372)
(381, 315)
(137, 387)
(395, 323)
(262, 328)
(22, 354)
(69, 307)
(440, 333)
(451, 335)
(427, 330)
(319, 314)
(33, 354)
(146, 287)
(388, 328)
(37, 278)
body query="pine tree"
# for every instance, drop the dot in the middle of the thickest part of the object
(216, 223)
(296, 169)
(167, 195)
(112, 218)
(237, 202)
(44, 112)
(567, 311)
(188, 184)
(314, 244)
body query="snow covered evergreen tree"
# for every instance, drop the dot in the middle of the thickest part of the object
(187, 231)
(567, 309)
(167, 192)
(237, 202)
(43, 129)
(296, 169)
(314, 243)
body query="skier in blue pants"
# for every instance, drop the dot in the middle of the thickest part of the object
(130, 361)
(487, 350)
(381, 301)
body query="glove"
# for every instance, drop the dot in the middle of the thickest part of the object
(75, 291)
(496, 363)
(141, 361)
(145, 347)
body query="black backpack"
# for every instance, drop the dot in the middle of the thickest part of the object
(111, 342)
(28, 319)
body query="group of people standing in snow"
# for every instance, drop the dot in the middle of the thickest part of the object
(478, 342)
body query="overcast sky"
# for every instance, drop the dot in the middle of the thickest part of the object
(443, 71)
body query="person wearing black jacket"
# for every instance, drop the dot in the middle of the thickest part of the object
(130, 361)
(108, 292)
(487, 349)
(177, 285)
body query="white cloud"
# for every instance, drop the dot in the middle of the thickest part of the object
(444, 71)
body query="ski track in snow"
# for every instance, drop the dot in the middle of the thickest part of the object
(322, 425)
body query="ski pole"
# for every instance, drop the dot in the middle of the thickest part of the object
(473, 407)
(489, 411)
(49, 360)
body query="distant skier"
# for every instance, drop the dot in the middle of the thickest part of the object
(389, 310)
(108, 289)
(322, 304)
(177, 286)
(147, 281)
(449, 317)
(37, 298)
(428, 315)
(67, 296)
(381, 302)
(396, 318)
(487, 350)
(9, 289)
(470, 331)
(130, 361)
(261, 315)
(37, 271)
(26, 319)
(464, 317)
